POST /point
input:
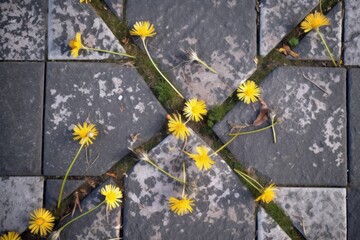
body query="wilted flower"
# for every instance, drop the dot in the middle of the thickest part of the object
(268, 194)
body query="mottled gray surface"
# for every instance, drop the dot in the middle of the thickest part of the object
(18, 197)
(278, 18)
(311, 46)
(352, 33)
(311, 148)
(22, 30)
(354, 127)
(318, 213)
(52, 190)
(116, 99)
(222, 32)
(224, 208)
(68, 17)
(268, 229)
(21, 106)
(353, 213)
(116, 6)
(98, 224)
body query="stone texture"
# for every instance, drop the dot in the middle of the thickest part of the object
(353, 211)
(227, 46)
(311, 148)
(52, 190)
(311, 46)
(18, 197)
(278, 18)
(352, 33)
(318, 213)
(116, 6)
(21, 106)
(98, 224)
(268, 229)
(224, 207)
(354, 127)
(22, 30)
(68, 17)
(114, 98)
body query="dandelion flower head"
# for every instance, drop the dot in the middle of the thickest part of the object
(41, 222)
(194, 109)
(85, 133)
(143, 29)
(76, 45)
(268, 194)
(181, 206)
(202, 159)
(248, 92)
(314, 21)
(177, 127)
(10, 236)
(112, 195)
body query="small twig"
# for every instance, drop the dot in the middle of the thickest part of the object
(316, 84)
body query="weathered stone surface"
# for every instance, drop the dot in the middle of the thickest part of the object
(352, 33)
(311, 148)
(268, 229)
(311, 46)
(318, 213)
(116, 7)
(98, 224)
(278, 18)
(18, 197)
(68, 17)
(52, 190)
(114, 98)
(22, 30)
(354, 127)
(223, 33)
(224, 207)
(353, 211)
(21, 106)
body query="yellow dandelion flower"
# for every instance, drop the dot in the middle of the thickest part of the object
(248, 92)
(194, 109)
(41, 221)
(202, 159)
(10, 236)
(112, 195)
(177, 127)
(76, 44)
(86, 1)
(268, 194)
(85, 133)
(143, 29)
(181, 206)
(314, 21)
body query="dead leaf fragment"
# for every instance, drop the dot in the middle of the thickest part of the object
(286, 50)
(263, 115)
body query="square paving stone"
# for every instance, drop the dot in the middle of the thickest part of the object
(353, 211)
(52, 190)
(224, 209)
(268, 229)
(21, 106)
(352, 33)
(22, 29)
(354, 127)
(223, 33)
(311, 148)
(98, 224)
(116, 99)
(68, 17)
(318, 213)
(278, 18)
(311, 46)
(18, 197)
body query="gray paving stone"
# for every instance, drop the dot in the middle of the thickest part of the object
(268, 229)
(22, 30)
(354, 127)
(311, 148)
(96, 225)
(352, 33)
(227, 46)
(311, 46)
(278, 18)
(116, 99)
(21, 106)
(52, 190)
(68, 17)
(318, 213)
(224, 207)
(353, 213)
(18, 197)
(116, 6)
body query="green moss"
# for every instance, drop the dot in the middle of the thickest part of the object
(218, 112)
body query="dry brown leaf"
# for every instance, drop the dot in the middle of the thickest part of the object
(76, 203)
(289, 51)
(110, 174)
(283, 51)
(263, 114)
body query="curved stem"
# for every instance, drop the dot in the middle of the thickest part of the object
(207, 66)
(111, 52)
(273, 130)
(147, 52)
(326, 46)
(66, 175)
(166, 173)
(184, 174)
(250, 180)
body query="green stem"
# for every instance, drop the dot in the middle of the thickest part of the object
(273, 129)
(207, 66)
(250, 180)
(111, 52)
(321, 7)
(166, 173)
(326, 46)
(147, 52)
(184, 174)
(66, 175)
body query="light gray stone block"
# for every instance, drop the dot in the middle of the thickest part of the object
(268, 229)
(116, 7)
(352, 33)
